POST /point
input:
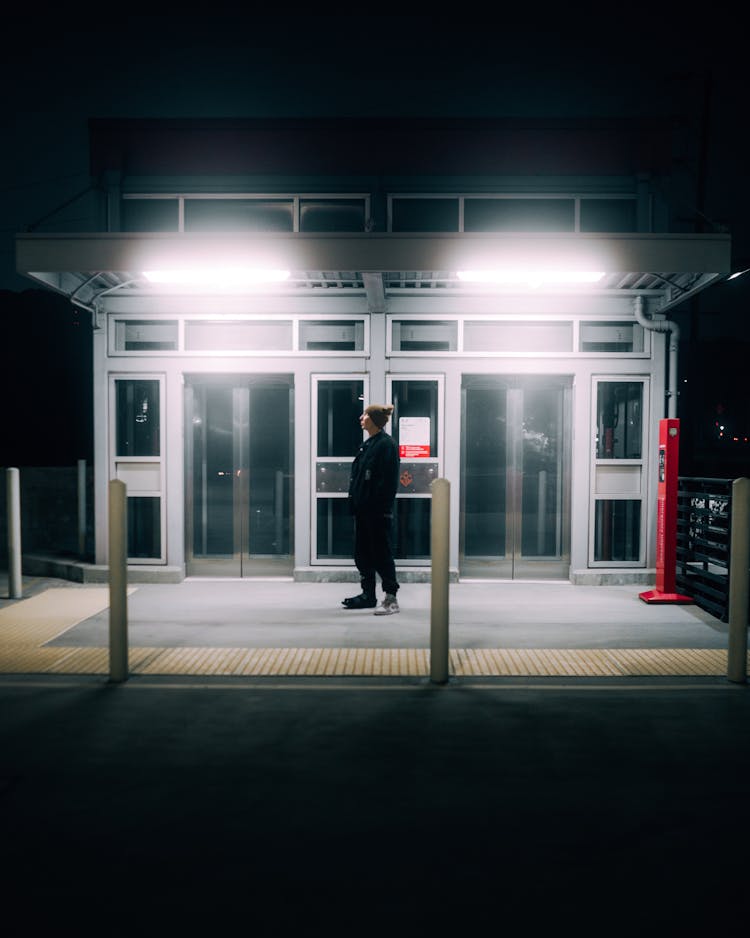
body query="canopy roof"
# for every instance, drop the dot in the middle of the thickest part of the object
(90, 268)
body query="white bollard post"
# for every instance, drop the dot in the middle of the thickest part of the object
(81, 508)
(118, 582)
(739, 574)
(439, 549)
(13, 510)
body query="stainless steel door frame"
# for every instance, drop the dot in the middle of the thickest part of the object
(219, 537)
(527, 547)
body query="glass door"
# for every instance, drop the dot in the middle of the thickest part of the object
(338, 402)
(239, 433)
(515, 516)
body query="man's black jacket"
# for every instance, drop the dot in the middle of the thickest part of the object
(374, 479)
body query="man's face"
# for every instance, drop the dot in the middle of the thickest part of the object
(367, 424)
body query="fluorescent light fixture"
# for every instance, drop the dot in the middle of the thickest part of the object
(738, 273)
(216, 276)
(529, 276)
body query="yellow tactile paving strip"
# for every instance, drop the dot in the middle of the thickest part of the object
(26, 626)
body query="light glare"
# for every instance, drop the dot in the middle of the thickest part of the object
(216, 276)
(530, 277)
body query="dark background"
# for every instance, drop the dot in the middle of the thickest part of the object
(58, 69)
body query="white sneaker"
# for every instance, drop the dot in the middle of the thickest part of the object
(388, 606)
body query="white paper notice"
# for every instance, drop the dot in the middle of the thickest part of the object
(413, 437)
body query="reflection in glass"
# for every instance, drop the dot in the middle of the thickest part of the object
(542, 425)
(617, 530)
(269, 462)
(514, 476)
(213, 470)
(485, 475)
(144, 527)
(411, 518)
(608, 215)
(240, 486)
(424, 214)
(335, 527)
(239, 215)
(137, 417)
(340, 404)
(333, 335)
(331, 215)
(619, 412)
(149, 215)
(412, 335)
(519, 214)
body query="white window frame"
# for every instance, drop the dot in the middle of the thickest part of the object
(635, 464)
(575, 197)
(316, 496)
(294, 197)
(118, 465)
(182, 319)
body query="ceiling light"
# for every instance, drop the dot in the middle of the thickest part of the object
(530, 276)
(216, 276)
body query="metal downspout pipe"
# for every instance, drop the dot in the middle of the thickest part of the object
(664, 325)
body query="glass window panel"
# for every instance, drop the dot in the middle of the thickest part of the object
(238, 215)
(145, 335)
(340, 405)
(611, 337)
(137, 403)
(415, 399)
(424, 336)
(144, 527)
(617, 532)
(519, 214)
(332, 215)
(615, 215)
(619, 414)
(213, 472)
(412, 525)
(335, 537)
(518, 337)
(485, 472)
(254, 335)
(269, 466)
(542, 471)
(424, 215)
(149, 215)
(332, 335)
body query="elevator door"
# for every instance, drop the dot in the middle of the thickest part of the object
(238, 437)
(515, 518)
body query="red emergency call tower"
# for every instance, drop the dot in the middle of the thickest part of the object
(666, 517)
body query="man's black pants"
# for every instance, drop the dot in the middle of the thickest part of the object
(373, 552)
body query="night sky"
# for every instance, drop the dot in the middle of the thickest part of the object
(57, 70)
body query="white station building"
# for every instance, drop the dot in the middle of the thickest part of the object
(254, 284)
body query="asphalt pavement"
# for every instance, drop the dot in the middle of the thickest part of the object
(375, 806)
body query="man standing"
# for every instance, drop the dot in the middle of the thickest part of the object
(372, 492)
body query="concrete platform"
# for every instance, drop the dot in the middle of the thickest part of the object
(257, 628)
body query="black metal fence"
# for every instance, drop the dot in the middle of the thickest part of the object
(704, 518)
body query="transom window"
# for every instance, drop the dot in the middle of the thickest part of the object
(181, 211)
(425, 212)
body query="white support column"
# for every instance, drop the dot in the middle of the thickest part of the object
(439, 605)
(118, 582)
(13, 512)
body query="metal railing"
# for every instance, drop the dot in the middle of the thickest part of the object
(704, 526)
